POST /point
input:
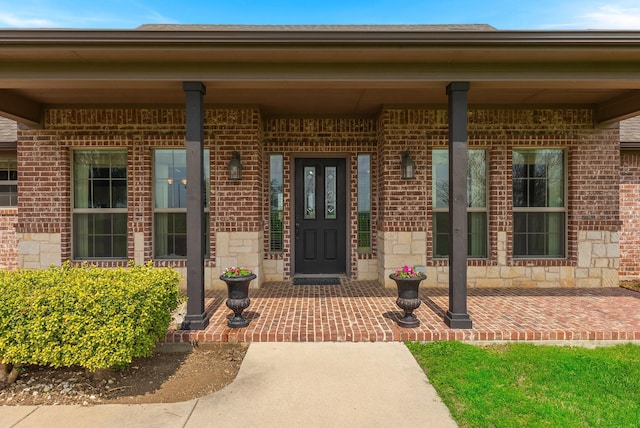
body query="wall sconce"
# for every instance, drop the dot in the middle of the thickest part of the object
(235, 167)
(408, 167)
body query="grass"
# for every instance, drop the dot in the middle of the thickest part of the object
(525, 385)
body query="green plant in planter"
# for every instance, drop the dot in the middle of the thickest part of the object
(236, 272)
(237, 280)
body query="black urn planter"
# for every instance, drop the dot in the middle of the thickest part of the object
(408, 299)
(238, 298)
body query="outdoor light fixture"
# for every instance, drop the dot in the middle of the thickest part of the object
(235, 167)
(408, 167)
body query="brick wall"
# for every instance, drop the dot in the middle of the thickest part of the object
(630, 213)
(44, 164)
(592, 184)
(401, 209)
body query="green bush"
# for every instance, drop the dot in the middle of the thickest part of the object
(86, 316)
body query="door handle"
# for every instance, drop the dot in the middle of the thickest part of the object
(297, 229)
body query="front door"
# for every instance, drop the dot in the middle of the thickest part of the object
(320, 216)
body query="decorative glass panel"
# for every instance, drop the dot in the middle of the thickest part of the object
(330, 192)
(309, 192)
(364, 203)
(276, 203)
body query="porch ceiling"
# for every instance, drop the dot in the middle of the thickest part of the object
(302, 71)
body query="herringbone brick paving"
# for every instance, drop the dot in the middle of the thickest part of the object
(358, 311)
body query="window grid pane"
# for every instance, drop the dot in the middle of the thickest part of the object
(476, 234)
(170, 176)
(98, 181)
(8, 182)
(476, 178)
(8, 195)
(538, 234)
(100, 236)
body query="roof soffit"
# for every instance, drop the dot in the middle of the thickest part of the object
(389, 65)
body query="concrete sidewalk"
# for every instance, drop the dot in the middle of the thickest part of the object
(320, 384)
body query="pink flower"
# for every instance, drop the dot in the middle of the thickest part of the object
(407, 272)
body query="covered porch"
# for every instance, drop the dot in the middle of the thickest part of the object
(229, 89)
(365, 311)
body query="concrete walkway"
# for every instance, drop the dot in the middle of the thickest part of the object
(320, 384)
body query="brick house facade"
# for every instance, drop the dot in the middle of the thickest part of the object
(630, 197)
(8, 208)
(402, 210)
(542, 201)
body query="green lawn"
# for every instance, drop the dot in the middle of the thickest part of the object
(525, 385)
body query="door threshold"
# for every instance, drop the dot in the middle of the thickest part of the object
(318, 275)
(315, 279)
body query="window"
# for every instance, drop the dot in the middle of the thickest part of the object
(8, 182)
(170, 202)
(539, 208)
(99, 204)
(364, 203)
(276, 203)
(476, 203)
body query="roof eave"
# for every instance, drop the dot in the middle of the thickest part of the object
(48, 37)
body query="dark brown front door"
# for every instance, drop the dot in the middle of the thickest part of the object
(320, 216)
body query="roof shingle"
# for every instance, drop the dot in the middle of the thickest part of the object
(8, 130)
(630, 130)
(328, 28)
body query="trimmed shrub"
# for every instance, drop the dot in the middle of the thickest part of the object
(85, 316)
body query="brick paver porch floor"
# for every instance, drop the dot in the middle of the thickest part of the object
(365, 311)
